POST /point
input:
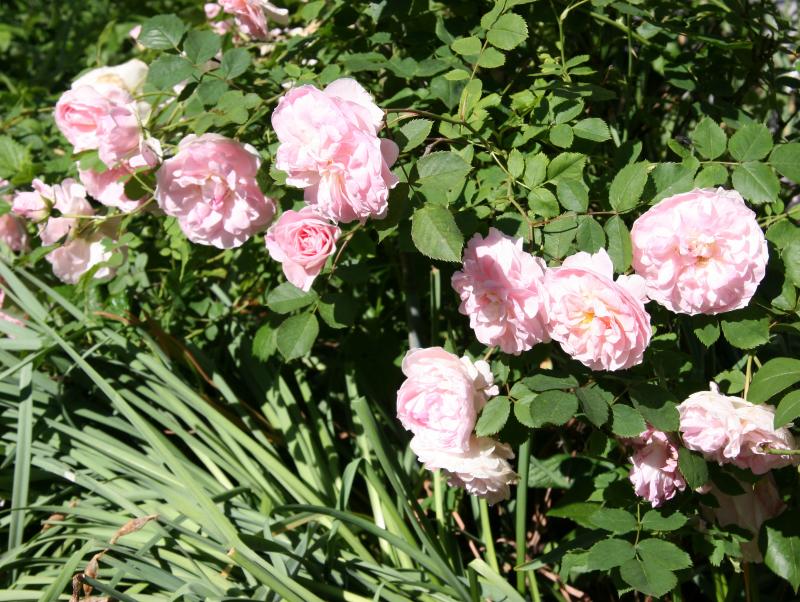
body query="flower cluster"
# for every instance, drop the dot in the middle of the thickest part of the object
(730, 430)
(699, 252)
(439, 402)
(727, 430)
(513, 300)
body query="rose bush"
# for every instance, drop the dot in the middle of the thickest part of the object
(320, 300)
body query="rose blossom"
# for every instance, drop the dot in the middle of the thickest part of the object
(732, 430)
(129, 76)
(210, 187)
(79, 255)
(108, 188)
(329, 146)
(68, 198)
(654, 474)
(701, 252)
(251, 15)
(440, 399)
(12, 232)
(302, 241)
(599, 322)
(502, 291)
(758, 503)
(482, 468)
(79, 111)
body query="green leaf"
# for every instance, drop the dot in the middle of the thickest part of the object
(265, 342)
(414, 133)
(751, 143)
(442, 171)
(626, 421)
(785, 158)
(436, 234)
(561, 135)
(491, 59)
(615, 520)
(543, 202)
(592, 128)
(548, 473)
(516, 163)
(791, 259)
(658, 406)
(162, 32)
(566, 165)
(509, 31)
(711, 176)
(773, 377)
(209, 91)
(657, 520)
(746, 328)
(338, 310)
(559, 234)
(706, 329)
(286, 297)
(553, 407)
(780, 544)
(619, 243)
(627, 186)
(693, 467)
(169, 70)
(546, 382)
(590, 236)
(234, 62)
(709, 139)
(466, 46)
(665, 553)
(673, 178)
(788, 409)
(493, 416)
(594, 405)
(14, 158)
(522, 411)
(297, 335)
(609, 553)
(573, 195)
(756, 182)
(649, 578)
(535, 169)
(201, 46)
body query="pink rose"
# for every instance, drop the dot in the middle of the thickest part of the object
(12, 232)
(251, 15)
(654, 474)
(758, 503)
(212, 10)
(701, 252)
(482, 468)
(502, 291)
(108, 188)
(440, 399)
(33, 204)
(599, 322)
(329, 147)
(119, 135)
(135, 32)
(210, 187)
(68, 199)
(730, 430)
(79, 111)
(302, 241)
(129, 77)
(73, 259)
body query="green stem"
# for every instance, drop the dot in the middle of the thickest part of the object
(521, 511)
(488, 538)
(438, 497)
